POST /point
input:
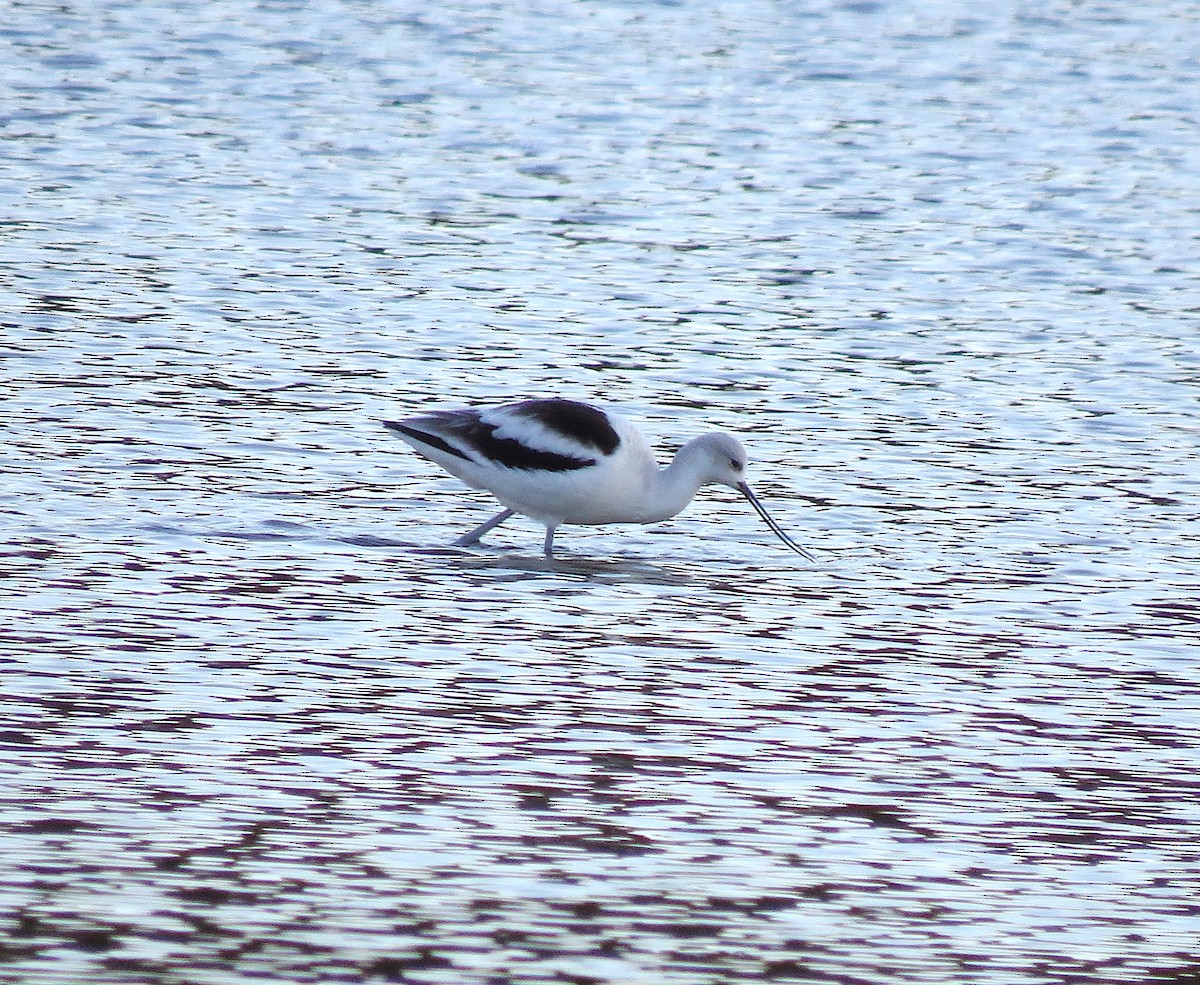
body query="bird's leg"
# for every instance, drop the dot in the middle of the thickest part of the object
(466, 540)
(549, 546)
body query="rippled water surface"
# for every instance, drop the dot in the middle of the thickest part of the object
(936, 263)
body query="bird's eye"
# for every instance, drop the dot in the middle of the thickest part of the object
(736, 465)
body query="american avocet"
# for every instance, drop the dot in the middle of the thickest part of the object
(560, 461)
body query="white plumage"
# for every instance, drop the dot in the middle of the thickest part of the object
(564, 462)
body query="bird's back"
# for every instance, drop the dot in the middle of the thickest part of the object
(555, 460)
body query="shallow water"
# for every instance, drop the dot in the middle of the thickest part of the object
(934, 263)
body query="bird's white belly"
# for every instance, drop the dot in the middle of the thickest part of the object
(593, 495)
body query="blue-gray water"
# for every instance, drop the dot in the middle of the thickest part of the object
(935, 262)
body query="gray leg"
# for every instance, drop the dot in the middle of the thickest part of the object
(466, 540)
(549, 547)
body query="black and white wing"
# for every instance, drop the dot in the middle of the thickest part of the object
(534, 435)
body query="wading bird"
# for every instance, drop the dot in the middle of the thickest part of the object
(564, 462)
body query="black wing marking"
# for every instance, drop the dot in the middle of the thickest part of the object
(466, 427)
(425, 437)
(584, 425)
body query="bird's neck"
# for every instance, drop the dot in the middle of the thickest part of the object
(674, 487)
